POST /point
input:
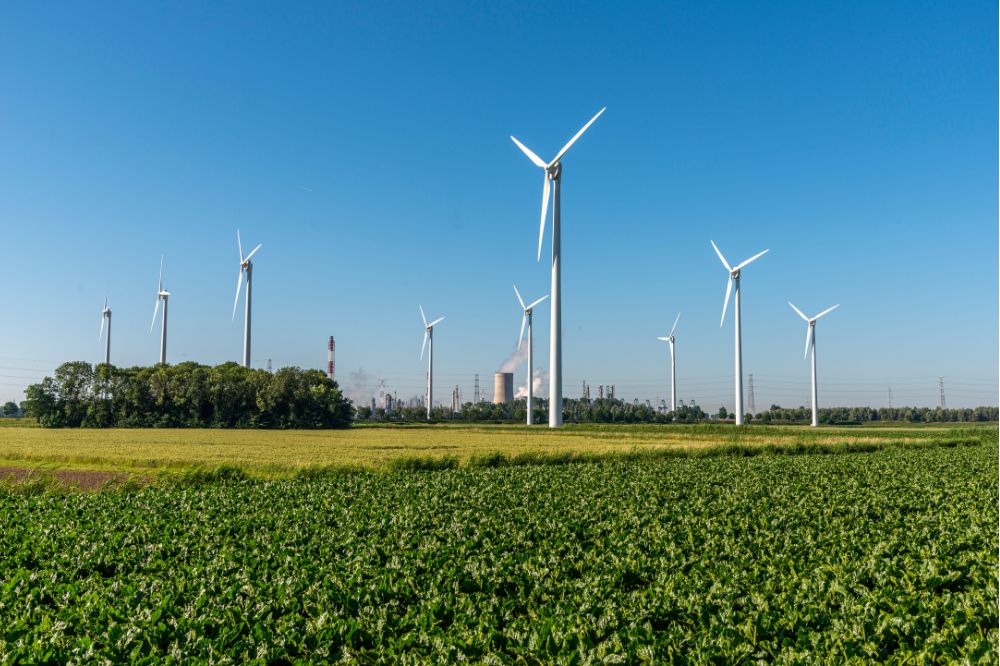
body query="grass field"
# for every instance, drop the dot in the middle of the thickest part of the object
(276, 452)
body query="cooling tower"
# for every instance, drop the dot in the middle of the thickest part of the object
(503, 387)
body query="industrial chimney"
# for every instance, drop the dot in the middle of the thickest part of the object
(503, 387)
(329, 359)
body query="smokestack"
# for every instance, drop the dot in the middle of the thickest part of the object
(503, 387)
(329, 359)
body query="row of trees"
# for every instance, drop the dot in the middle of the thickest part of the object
(186, 395)
(604, 410)
(608, 410)
(869, 414)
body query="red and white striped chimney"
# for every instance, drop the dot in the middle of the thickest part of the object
(329, 359)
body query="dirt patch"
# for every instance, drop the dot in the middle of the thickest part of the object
(81, 479)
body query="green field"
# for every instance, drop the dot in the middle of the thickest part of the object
(276, 452)
(888, 555)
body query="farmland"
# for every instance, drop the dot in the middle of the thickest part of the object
(885, 555)
(282, 452)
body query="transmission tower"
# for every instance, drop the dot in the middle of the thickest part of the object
(475, 391)
(750, 403)
(941, 399)
(890, 397)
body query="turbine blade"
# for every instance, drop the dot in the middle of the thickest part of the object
(239, 285)
(538, 301)
(520, 336)
(725, 304)
(160, 288)
(809, 332)
(799, 312)
(519, 299)
(577, 136)
(101, 334)
(239, 244)
(531, 156)
(105, 299)
(253, 252)
(826, 311)
(753, 258)
(675, 323)
(664, 339)
(436, 321)
(721, 258)
(156, 308)
(545, 209)
(423, 345)
(422, 315)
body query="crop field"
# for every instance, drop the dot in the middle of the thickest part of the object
(276, 452)
(875, 556)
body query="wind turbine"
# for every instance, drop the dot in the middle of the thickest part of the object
(526, 318)
(246, 267)
(106, 316)
(811, 341)
(734, 277)
(553, 179)
(429, 336)
(673, 365)
(161, 295)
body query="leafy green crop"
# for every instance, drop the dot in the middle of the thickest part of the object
(878, 556)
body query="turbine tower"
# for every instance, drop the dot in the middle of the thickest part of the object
(161, 295)
(106, 316)
(526, 318)
(734, 278)
(553, 179)
(811, 343)
(429, 336)
(673, 365)
(246, 267)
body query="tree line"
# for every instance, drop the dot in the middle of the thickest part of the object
(186, 395)
(615, 410)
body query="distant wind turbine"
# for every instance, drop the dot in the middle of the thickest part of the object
(811, 342)
(246, 267)
(553, 175)
(526, 318)
(734, 278)
(161, 295)
(429, 337)
(106, 316)
(673, 365)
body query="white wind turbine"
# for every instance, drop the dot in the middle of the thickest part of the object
(429, 336)
(811, 341)
(106, 316)
(526, 319)
(553, 174)
(734, 277)
(246, 267)
(161, 295)
(673, 365)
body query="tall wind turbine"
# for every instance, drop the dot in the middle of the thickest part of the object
(553, 179)
(734, 278)
(106, 316)
(246, 267)
(526, 318)
(429, 336)
(673, 365)
(161, 295)
(811, 342)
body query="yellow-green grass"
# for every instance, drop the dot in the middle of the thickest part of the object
(269, 452)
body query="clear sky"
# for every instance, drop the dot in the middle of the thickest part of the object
(366, 145)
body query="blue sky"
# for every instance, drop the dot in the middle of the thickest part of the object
(366, 145)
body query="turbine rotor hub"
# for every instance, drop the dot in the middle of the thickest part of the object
(554, 171)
